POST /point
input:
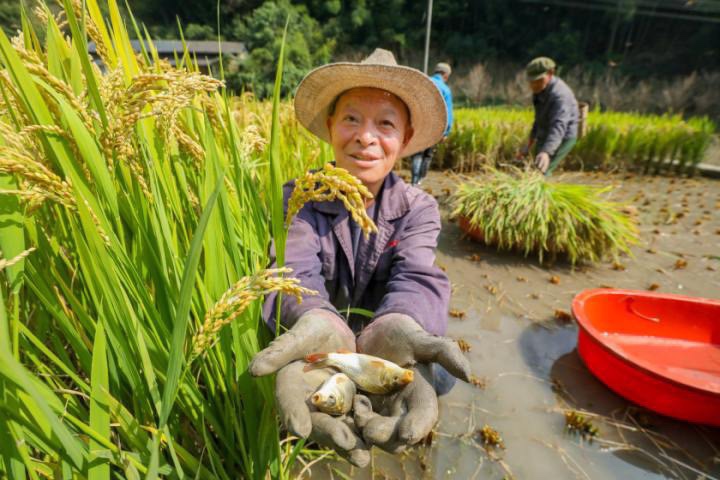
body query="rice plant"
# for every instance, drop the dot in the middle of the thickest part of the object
(644, 143)
(132, 199)
(526, 212)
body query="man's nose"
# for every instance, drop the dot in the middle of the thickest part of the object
(366, 135)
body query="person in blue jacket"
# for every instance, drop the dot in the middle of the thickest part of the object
(421, 160)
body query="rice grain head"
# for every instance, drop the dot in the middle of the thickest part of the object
(9, 263)
(328, 184)
(238, 297)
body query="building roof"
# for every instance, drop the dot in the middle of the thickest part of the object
(200, 48)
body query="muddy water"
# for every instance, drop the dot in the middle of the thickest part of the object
(529, 364)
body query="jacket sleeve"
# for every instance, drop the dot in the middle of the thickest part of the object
(533, 130)
(560, 117)
(449, 105)
(416, 286)
(303, 255)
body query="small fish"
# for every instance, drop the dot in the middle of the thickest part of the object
(371, 374)
(335, 396)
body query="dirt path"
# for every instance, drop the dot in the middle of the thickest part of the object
(527, 361)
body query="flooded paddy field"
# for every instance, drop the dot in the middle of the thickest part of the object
(514, 315)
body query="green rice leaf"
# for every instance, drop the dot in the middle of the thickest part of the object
(177, 349)
(276, 192)
(12, 237)
(99, 467)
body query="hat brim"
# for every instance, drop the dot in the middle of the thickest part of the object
(321, 87)
(532, 78)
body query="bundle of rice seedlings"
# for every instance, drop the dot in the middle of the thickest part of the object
(524, 211)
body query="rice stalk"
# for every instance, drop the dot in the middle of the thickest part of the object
(329, 184)
(5, 263)
(43, 14)
(35, 65)
(614, 140)
(38, 182)
(237, 298)
(94, 32)
(157, 207)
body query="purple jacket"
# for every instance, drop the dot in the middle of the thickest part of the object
(396, 271)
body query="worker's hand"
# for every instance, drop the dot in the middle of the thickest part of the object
(317, 331)
(407, 416)
(542, 161)
(522, 153)
(293, 389)
(401, 419)
(400, 339)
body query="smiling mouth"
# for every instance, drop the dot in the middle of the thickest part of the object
(362, 158)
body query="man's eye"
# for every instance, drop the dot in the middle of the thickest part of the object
(387, 123)
(350, 118)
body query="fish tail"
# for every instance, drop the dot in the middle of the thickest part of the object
(315, 360)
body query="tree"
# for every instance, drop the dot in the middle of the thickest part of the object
(306, 47)
(10, 16)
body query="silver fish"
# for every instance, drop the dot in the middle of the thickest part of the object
(335, 396)
(371, 374)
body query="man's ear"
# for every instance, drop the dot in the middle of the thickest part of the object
(408, 135)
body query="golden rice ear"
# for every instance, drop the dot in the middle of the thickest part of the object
(315, 399)
(408, 376)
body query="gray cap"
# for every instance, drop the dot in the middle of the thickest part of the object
(538, 67)
(442, 67)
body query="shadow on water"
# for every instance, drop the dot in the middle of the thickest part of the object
(648, 441)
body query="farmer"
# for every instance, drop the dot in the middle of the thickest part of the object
(371, 113)
(554, 131)
(421, 160)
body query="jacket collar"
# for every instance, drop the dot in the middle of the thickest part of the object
(548, 88)
(393, 201)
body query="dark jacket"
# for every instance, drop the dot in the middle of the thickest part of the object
(556, 116)
(395, 267)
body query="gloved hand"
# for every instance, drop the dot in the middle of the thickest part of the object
(316, 331)
(407, 416)
(542, 161)
(403, 418)
(522, 153)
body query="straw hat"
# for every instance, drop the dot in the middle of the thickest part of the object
(319, 89)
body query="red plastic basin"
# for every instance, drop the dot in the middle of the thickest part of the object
(660, 351)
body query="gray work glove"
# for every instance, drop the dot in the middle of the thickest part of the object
(316, 331)
(403, 418)
(407, 416)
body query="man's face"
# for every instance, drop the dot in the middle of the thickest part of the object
(368, 131)
(539, 85)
